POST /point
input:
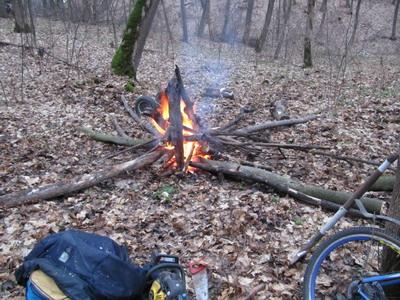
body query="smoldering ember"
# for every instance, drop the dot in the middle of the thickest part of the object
(218, 142)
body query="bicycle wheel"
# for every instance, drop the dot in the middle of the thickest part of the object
(341, 264)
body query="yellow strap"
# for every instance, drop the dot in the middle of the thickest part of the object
(47, 286)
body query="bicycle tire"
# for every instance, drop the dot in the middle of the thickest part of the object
(322, 254)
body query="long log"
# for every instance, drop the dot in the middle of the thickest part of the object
(268, 125)
(282, 183)
(110, 138)
(76, 184)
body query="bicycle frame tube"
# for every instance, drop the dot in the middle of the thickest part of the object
(344, 208)
(384, 280)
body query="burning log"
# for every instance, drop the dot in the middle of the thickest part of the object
(175, 129)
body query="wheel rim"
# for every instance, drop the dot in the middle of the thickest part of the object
(347, 260)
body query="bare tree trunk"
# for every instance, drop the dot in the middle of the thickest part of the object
(171, 37)
(31, 20)
(205, 17)
(3, 10)
(264, 32)
(225, 29)
(278, 20)
(185, 37)
(323, 9)
(356, 21)
(249, 14)
(308, 36)
(144, 32)
(287, 8)
(21, 24)
(396, 13)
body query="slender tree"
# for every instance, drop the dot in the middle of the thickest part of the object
(308, 35)
(396, 13)
(356, 21)
(122, 63)
(264, 32)
(225, 29)
(185, 36)
(144, 32)
(205, 16)
(247, 26)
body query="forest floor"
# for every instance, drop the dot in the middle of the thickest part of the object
(245, 231)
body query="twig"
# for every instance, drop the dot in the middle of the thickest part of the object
(144, 144)
(345, 158)
(254, 292)
(118, 128)
(232, 123)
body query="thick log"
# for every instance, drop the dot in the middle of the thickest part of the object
(175, 129)
(384, 183)
(79, 183)
(269, 125)
(282, 183)
(114, 139)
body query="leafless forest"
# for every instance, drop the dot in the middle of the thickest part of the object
(306, 91)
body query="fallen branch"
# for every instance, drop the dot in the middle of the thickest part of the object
(114, 139)
(142, 122)
(79, 183)
(281, 183)
(268, 125)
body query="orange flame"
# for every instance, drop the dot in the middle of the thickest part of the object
(189, 147)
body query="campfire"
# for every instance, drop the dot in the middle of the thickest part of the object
(172, 121)
(176, 123)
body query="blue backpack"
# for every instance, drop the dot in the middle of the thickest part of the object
(84, 266)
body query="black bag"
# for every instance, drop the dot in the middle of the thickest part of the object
(85, 266)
